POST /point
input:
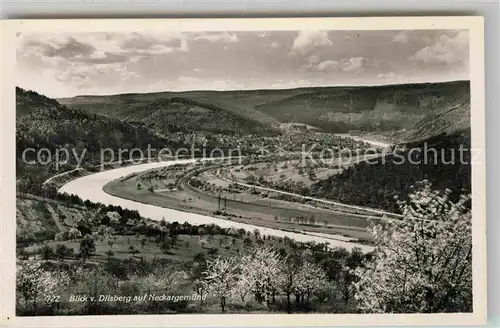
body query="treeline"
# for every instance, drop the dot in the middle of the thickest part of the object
(375, 184)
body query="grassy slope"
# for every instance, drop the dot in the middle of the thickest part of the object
(38, 220)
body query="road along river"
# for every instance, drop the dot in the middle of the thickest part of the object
(90, 188)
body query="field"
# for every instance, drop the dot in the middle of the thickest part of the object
(286, 172)
(245, 207)
(185, 247)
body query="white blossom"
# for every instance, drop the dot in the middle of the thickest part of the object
(422, 263)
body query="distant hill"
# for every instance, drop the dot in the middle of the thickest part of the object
(381, 109)
(186, 114)
(212, 111)
(374, 108)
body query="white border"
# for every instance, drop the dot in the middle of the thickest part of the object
(7, 201)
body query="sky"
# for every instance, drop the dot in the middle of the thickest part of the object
(66, 65)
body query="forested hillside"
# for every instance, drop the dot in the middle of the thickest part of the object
(376, 184)
(381, 109)
(181, 111)
(43, 123)
(372, 108)
(178, 114)
(445, 121)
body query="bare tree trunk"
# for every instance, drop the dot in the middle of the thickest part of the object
(223, 303)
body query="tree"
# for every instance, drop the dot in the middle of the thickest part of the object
(87, 247)
(93, 283)
(173, 238)
(114, 217)
(310, 278)
(220, 278)
(110, 243)
(61, 251)
(288, 278)
(222, 240)
(213, 252)
(38, 286)
(165, 246)
(109, 231)
(247, 242)
(110, 254)
(74, 233)
(347, 278)
(260, 273)
(421, 263)
(132, 250)
(47, 252)
(203, 242)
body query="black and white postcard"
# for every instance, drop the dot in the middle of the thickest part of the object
(256, 172)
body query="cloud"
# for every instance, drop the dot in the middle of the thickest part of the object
(401, 37)
(61, 47)
(327, 65)
(445, 51)
(86, 76)
(390, 76)
(154, 44)
(100, 48)
(64, 64)
(218, 37)
(354, 64)
(307, 41)
(274, 44)
(92, 61)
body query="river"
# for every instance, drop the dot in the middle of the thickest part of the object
(367, 139)
(90, 188)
